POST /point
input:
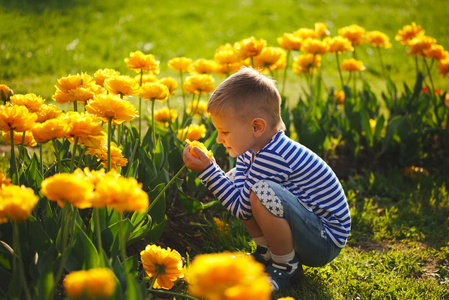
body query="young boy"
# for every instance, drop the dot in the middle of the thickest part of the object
(288, 198)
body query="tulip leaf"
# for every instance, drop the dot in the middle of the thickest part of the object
(84, 255)
(190, 204)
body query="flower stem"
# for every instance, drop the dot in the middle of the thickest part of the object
(153, 132)
(41, 163)
(98, 230)
(58, 159)
(109, 142)
(123, 245)
(140, 107)
(339, 71)
(381, 62)
(72, 160)
(18, 257)
(285, 72)
(165, 188)
(13, 158)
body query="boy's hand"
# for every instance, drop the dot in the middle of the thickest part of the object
(195, 163)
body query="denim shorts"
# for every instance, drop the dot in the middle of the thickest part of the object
(310, 240)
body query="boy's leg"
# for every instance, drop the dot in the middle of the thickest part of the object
(262, 253)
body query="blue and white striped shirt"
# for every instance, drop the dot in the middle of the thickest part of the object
(296, 168)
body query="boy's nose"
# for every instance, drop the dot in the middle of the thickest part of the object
(219, 139)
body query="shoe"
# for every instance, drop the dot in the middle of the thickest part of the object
(258, 255)
(281, 276)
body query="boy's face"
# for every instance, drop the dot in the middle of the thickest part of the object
(235, 134)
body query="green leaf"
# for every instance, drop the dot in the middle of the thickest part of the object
(84, 255)
(157, 212)
(190, 204)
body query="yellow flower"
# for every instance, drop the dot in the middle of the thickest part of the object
(170, 83)
(222, 226)
(339, 44)
(16, 202)
(354, 33)
(372, 124)
(223, 69)
(138, 61)
(101, 151)
(446, 98)
(409, 32)
(269, 59)
(4, 181)
(306, 63)
(111, 106)
(443, 66)
(203, 66)
(73, 188)
(321, 29)
(192, 132)
(152, 91)
(378, 39)
(436, 52)
(286, 298)
(16, 117)
(122, 85)
(226, 54)
(339, 96)
(201, 108)
(166, 264)
(30, 101)
(180, 64)
(227, 275)
(199, 84)
(50, 129)
(80, 87)
(305, 33)
(18, 136)
(46, 112)
(121, 194)
(201, 147)
(5, 93)
(314, 46)
(102, 74)
(351, 64)
(146, 78)
(93, 283)
(249, 47)
(419, 44)
(82, 125)
(163, 115)
(289, 41)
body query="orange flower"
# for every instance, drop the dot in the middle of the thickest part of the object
(111, 106)
(249, 47)
(46, 112)
(51, 129)
(122, 85)
(99, 148)
(80, 87)
(289, 41)
(146, 78)
(199, 84)
(352, 64)
(71, 82)
(30, 101)
(192, 132)
(138, 61)
(73, 188)
(339, 44)
(4, 181)
(166, 264)
(314, 46)
(321, 29)
(16, 203)
(201, 147)
(154, 91)
(82, 126)
(16, 117)
(306, 63)
(305, 33)
(419, 44)
(201, 108)
(269, 59)
(226, 54)
(102, 74)
(29, 140)
(203, 66)
(180, 64)
(354, 33)
(378, 39)
(89, 284)
(443, 66)
(436, 52)
(170, 83)
(163, 115)
(409, 32)
(5, 93)
(339, 96)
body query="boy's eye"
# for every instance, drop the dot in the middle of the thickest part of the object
(225, 132)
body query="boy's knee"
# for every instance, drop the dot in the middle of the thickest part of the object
(263, 194)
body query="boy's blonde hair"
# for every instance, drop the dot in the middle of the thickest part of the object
(248, 94)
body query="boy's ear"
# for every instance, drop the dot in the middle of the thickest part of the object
(259, 126)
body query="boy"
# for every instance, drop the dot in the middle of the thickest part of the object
(288, 198)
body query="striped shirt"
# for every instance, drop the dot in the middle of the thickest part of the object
(294, 167)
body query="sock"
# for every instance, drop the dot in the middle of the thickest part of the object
(289, 259)
(261, 242)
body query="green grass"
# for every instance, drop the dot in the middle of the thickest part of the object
(42, 41)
